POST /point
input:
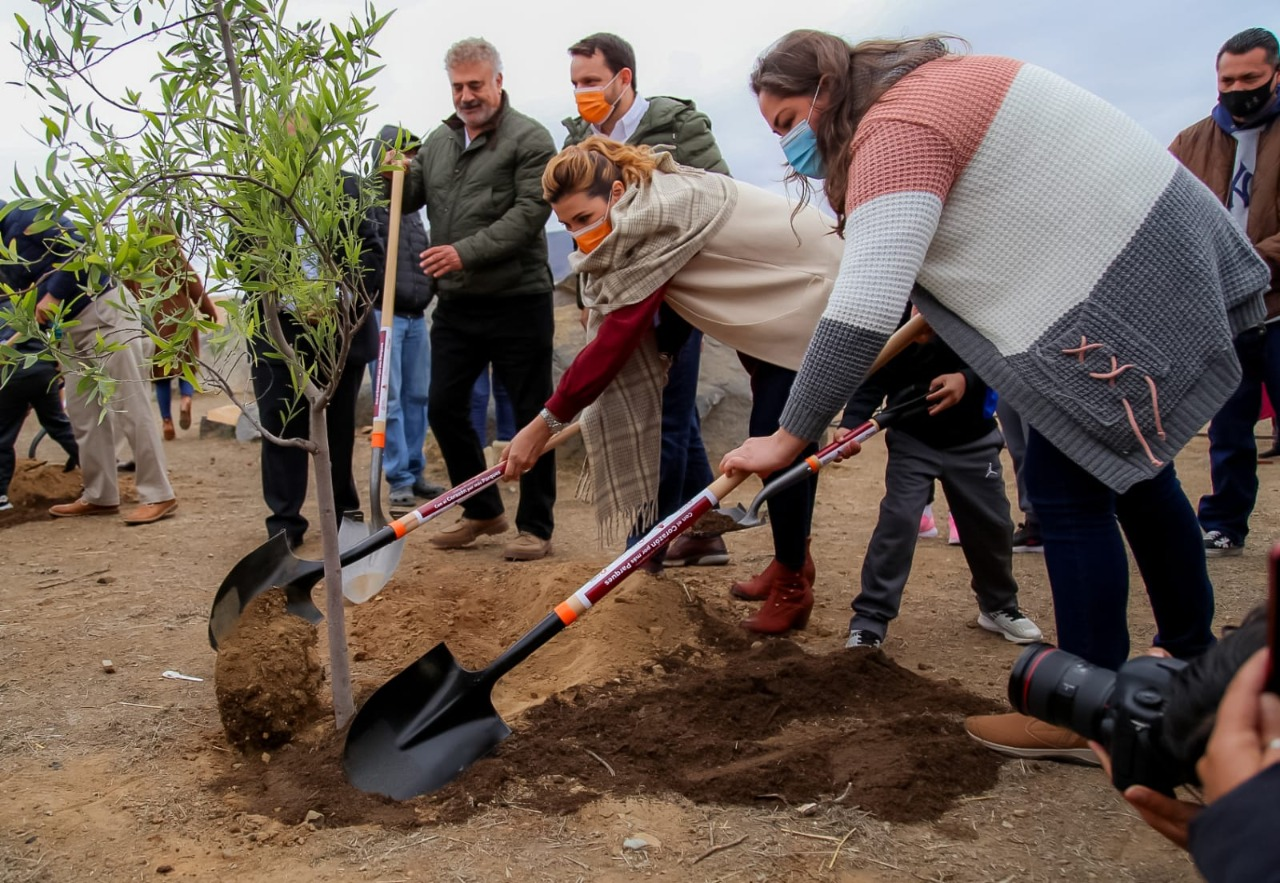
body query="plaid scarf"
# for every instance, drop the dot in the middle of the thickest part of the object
(657, 228)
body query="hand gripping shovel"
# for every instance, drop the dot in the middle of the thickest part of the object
(273, 564)
(366, 576)
(434, 719)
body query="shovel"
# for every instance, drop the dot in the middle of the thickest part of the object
(434, 719)
(720, 521)
(273, 564)
(366, 576)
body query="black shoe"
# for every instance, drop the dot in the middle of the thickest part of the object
(72, 462)
(426, 490)
(862, 638)
(1271, 454)
(126, 466)
(1219, 545)
(1026, 539)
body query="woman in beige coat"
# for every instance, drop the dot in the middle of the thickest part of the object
(740, 264)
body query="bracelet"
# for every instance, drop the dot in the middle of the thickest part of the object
(550, 419)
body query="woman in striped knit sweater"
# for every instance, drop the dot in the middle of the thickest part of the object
(1070, 261)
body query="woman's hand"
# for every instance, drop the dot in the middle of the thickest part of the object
(851, 449)
(945, 391)
(1246, 735)
(525, 449)
(763, 455)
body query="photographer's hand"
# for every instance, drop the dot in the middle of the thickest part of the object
(1246, 735)
(1168, 816)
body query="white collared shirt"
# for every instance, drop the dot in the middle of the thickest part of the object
(626, 127)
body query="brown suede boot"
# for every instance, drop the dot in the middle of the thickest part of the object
(757, 588)
(787, 607)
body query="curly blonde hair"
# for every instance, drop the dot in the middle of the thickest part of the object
(593, 166)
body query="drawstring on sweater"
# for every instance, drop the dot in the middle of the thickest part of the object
(1110, 376)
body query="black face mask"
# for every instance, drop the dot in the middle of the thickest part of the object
(1246, 102)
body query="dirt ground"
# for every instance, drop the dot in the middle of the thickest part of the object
(672, 748)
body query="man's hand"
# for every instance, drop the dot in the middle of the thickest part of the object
(945, 391)
(1246, 735)
(394, 158)
(763, 455)
(1168, 816)
(47, 308)
(852, 449)
(525, 449)
(440, 259)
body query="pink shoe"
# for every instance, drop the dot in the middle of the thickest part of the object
(928, 527)
(953, 535)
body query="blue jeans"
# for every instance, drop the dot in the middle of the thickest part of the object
(683, 469)
(164, 394)
(409, 379)
(1081, 520)
(1233, 452)
(504, 413)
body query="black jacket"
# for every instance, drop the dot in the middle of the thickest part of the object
(1234, 839)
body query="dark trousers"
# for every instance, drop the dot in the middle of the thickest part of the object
(1233, 452)
(36, 388)
(287, 415)
(973, 480)
(1081, 521)
(683, 470)
(790, 510)
(514, 335)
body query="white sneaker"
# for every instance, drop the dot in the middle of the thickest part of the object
(928, 527)
(1013, 624)
(5, 505)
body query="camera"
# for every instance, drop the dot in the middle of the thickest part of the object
(1122, 710)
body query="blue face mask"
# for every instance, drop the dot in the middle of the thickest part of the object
(800, 147)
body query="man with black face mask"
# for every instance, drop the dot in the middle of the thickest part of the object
(1236, 152)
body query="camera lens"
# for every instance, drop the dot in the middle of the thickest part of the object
(1062, 689)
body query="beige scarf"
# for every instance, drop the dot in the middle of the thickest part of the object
(657, 229)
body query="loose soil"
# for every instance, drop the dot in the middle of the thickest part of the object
(37, 485)
(731, 759)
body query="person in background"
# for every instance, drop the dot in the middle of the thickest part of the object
(1235, 151)
(602, 69)
(479, 176)
(34, 387)
(404, 459)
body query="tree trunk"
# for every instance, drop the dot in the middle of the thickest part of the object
(335, 613)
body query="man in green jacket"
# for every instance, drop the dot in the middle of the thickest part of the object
(479, 175)
(602, 68)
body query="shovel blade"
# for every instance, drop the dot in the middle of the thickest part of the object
(271, 564)
(423, 728)
(725, 520)
(363, 579)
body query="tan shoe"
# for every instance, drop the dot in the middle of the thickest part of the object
(1019, 735)
(166, 426)
(81, 507)
(184, 413)
(465, 531)
(149, 512)
(527, 547)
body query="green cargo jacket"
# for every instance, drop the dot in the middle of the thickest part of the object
(486, 201)
(672, 124)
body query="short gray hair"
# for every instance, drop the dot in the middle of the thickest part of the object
(473, 49)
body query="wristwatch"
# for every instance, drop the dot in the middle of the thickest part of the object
(550, 419)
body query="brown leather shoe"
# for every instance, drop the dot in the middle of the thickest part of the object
(1019, 735)
(184, 413)
(149, 512)
(166, 426)
(81, 507)
(788, 606)
(527, 547)
(687, 551)
(758, 587)
(465, 531)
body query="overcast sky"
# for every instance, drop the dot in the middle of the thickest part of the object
(1152, 58)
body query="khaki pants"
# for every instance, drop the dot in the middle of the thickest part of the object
(130, 406)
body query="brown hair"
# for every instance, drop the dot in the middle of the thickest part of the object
(616, 52)
(594, 165)
(852, 78)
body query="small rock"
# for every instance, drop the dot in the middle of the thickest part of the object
(359, 656)
(164, 869)
(266, 758)
(756, 645)
(656, 630)
(55, 765)
(108, 666)
(106, 580)
(924, 666)
(641, 841)
(313, 816)
(807, 809)
(659, 670)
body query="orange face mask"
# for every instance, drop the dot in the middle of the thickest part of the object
(592, 105)
(590, 236)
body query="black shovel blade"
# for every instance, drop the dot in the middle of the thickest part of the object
(270, 565)
(423, 728)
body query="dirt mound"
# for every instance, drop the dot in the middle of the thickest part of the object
(36, 486)
(773, 723)
(267, 675)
